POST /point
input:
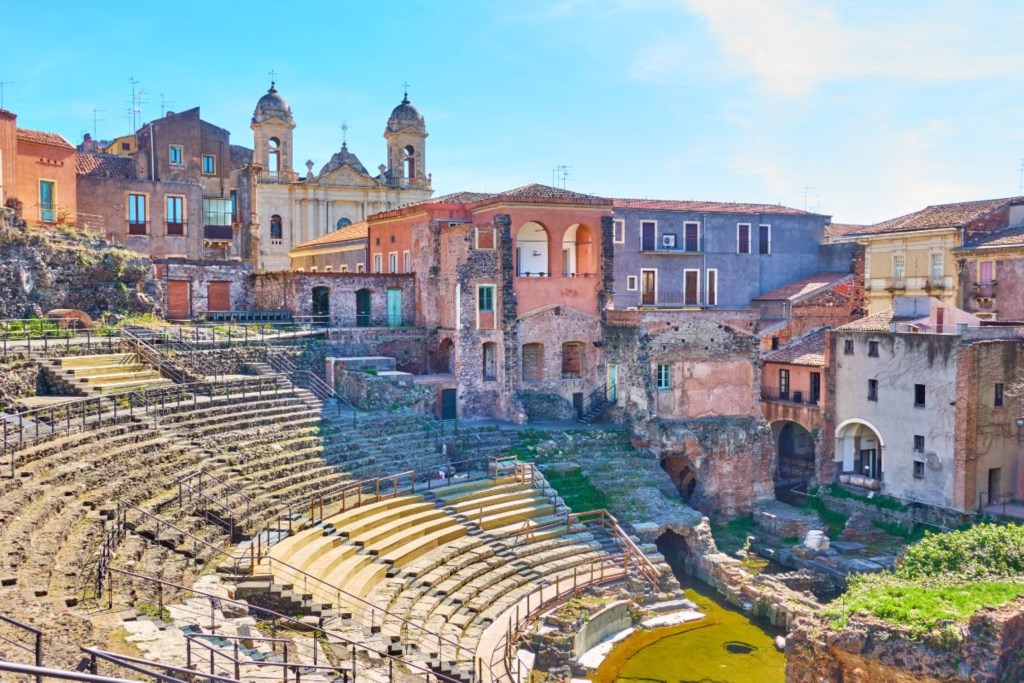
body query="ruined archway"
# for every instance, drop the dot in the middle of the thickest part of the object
(682, 475)
(444, 357)
(794, 454)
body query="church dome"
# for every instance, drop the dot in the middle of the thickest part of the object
(343, 158)
(272, 106)
(405, 115)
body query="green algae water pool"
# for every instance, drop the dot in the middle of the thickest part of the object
(724, 647)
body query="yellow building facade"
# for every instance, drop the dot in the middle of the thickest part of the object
(913, 255)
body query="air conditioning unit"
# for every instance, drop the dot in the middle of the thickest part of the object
(668, 241)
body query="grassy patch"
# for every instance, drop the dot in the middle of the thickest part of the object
(880, 501)
(921, 606)
(732, 535)
(835, 521)
(577, 491)
(912, 535)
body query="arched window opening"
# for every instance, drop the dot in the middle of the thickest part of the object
(533, 362)
(343, 223)
(532, 251)
(572, 360)
(276, 228)
(577, 251)
(861, 449)
(410, 162)
(273, 157)
(322, 304)
(490, 362)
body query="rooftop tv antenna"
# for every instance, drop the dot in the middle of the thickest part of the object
(809, 204)
(163, 105)
(559, 175)
(95, 120)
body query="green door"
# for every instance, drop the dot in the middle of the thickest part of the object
(47, 201)
(394, 308)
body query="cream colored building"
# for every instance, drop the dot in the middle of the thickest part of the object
(913, 255)
(291, 210)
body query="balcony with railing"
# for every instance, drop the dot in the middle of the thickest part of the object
(138, 227)
(919, 283)
(176, 228)
(676, 300)
(797, 405)
(984, 290)
(674, 244)
(217, 233)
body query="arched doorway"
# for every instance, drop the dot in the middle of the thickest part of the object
(532, 251)
(444, 358)
(322, 304)
(860, 446)
(794, 451)
(682, 476)
(362, 308)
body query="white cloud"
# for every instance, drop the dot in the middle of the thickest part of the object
(792, 47)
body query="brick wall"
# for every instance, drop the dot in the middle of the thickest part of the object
(294, 292)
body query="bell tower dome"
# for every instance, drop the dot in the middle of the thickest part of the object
(272, 126)
(406, 135)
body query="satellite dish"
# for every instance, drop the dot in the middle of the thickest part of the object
(933, 460)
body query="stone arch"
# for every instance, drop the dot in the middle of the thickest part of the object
(578, 251)
(444, 356)
(795, 453)
(860, 448)
(533, 258)
(683, 476)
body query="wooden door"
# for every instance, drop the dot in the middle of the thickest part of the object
(648, 287)
(394, 308)
(363, 308)
(691, 287)
(218, 296)
(179, 300)
(647, 236)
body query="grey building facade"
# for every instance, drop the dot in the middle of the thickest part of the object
(691, 254)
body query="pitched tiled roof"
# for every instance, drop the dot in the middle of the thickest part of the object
(459, 198)
(356, 231)
(808, 350)
(43, 138)
(839, 229)
(705, 206)
(104, 166)
(876, 322)
(1008, 237)
(938, 216)
(538, 191)
(791, 291)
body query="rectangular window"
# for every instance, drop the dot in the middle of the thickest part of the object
(344, 268)
(899, 266)
(691, 287)
(485, 299)
(784, 385)
(175, 215)
(406, 262)
(997, 400)
(360, 267)
(938, 266)
(217, 212)
(137, 217)
(378, 263)
(764, 233)
(234, 206)
(919, 443)
(664, 376)
(209, 164)
(919, 395)
(648, 235)
(175, 156)
(691, 237)
(631, 283)
(873, 349)
(393, 262)
(572, 360)
(619, 231)
(711, 288)
(743, 238)
(490, 362)
(918, 469)
(867, 266)
(328, 269)
(848, 347)
(872, 389)
(485, 237)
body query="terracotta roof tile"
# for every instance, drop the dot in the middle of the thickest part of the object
(839, 229)
(538, 191)
(808, 350)
(104, 166)
(356, 231)
(876, 322)
(705, 206)
(1008, 237)
(938, 216)
(791, 291)
(43, 138)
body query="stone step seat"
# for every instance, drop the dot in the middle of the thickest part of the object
(262, 466)
(103, 370)
(378, 537)
(114, 375)
(240, 419)
(416, 541)
(516, 512)
(550, 526)
(494, 500)
(289, 488)
(463, 494)
(221, 433)
(187, 411)
(122, 386)
(268, 439)
(92, 360)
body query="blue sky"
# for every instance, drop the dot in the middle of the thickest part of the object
(880, 107)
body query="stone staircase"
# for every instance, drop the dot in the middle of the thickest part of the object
(101, 374)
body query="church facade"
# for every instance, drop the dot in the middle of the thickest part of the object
(293, 209)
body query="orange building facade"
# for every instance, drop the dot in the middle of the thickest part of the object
(46, 180)
(8, 155)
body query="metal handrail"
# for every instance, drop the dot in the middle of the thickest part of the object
(163, 364)
(136, 664)
(41, 672)
(608, 521)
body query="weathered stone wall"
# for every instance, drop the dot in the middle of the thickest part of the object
(201, 273)
(990, 649)
(368, 392)
(19, 378)
(294, 292)
(40, 271)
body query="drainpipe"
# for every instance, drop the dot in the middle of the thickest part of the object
(152, 153)
(703, 286)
